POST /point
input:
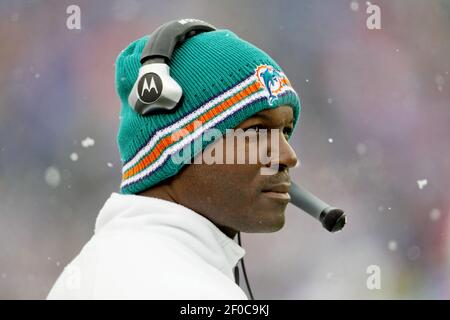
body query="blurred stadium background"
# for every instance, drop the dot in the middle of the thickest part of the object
(374, 138)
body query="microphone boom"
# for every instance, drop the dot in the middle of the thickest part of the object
(332, 219)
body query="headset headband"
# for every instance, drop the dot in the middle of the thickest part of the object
(164, 39)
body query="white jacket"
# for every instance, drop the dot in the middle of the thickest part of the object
(148, 248)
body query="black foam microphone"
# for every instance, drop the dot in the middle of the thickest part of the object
(332, 219)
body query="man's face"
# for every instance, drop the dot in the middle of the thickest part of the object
(237, 197)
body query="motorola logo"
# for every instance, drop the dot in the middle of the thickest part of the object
(184, 21)
(149, 88)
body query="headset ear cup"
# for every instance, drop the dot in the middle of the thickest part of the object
(154, 90)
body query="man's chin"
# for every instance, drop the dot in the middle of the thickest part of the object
(272, 222)
(278, 224)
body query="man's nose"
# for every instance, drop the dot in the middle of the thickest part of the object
(288, 157)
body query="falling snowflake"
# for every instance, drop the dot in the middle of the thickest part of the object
(330, 101)
(74, 156)
(330, 140)
(392, 245)
(52, 177)
(88, 142)
(109, 164)
(440, 81)
(422, 183)
(435, 214)
(361, 149)
(354, 6)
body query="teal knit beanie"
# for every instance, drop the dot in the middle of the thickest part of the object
(225, 80)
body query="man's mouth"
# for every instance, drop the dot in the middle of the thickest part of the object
(279, 191)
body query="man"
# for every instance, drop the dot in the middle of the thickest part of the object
(169, 233)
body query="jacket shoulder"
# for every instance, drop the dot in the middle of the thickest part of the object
(139, 265)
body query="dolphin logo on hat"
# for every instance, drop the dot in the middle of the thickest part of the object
(272, 80)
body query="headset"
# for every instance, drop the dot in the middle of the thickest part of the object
(167, 94)
(154, 72)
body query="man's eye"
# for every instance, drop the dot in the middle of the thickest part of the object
(287, 131)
